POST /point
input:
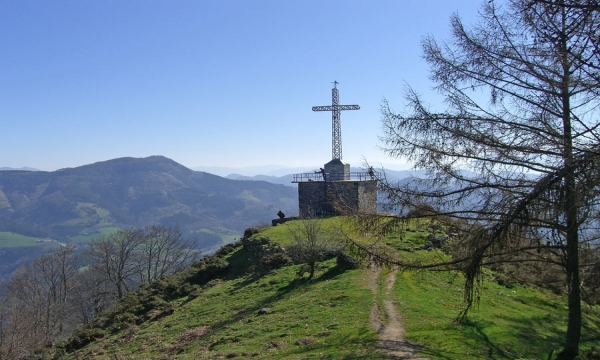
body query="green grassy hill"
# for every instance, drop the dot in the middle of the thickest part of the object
(233, 305)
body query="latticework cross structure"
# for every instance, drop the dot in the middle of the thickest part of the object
(336, 127)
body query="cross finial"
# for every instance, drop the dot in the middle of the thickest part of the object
(335, 84)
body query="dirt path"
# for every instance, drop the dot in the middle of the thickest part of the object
(391, 333)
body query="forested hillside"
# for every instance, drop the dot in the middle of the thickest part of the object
(75, 204)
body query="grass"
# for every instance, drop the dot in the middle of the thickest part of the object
(90, 234)
(324, 318)
(519, 322)
(281, 233)
(247, 195)
(328, 317)
(8, 239)
(410, 238)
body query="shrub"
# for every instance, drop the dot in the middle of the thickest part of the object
(83, 337)
(208, 269)
(275, 261)
(227, 249)
(249, 232)
(345, 261)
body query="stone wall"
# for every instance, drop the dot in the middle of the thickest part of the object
(367, 196)
(312, 199)
(319, 198)
(280, 221)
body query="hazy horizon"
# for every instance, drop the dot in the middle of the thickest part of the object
(268, 170)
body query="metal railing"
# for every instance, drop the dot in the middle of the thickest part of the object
(352, 176)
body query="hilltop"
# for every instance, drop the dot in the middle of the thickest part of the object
(247, 302)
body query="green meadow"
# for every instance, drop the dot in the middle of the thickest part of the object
(8, 239)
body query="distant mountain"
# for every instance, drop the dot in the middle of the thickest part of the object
(268, 170)
(280, 170)
(19, 169)
(283, 180)
(75, 203)
(287, 179)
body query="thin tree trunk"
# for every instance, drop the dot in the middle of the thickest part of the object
(312, 270)
(573, 335)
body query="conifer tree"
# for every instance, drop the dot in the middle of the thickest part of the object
(515, 153)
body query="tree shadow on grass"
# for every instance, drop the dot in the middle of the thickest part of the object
(487, 348)
(537, 345)
(260, 306)
(542, 344)
(522, 327)
(330, 348)
(331, 273)
(493, 349)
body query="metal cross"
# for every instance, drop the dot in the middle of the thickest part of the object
(336, 127)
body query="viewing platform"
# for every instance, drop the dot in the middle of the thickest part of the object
(336, 176)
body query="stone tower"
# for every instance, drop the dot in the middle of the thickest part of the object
(334, 190)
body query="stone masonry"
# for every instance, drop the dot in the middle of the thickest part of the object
(324, 198)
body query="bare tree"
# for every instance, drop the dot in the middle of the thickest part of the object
(164, 251)
(47, 299)
(4, 324)
(91, 294)
(312, 242)
(14, 329)
(37, 303)
(128, 258)
(521, 169)
(589, 5)
(55, 272)
(116, 257)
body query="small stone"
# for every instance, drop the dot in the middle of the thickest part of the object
(264, 311)
(304, 341)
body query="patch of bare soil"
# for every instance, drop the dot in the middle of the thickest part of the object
(391, 333)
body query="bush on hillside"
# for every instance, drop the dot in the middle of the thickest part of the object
(249, 232)
(207, 269)
(84, 337)
(227, 249)
(275, 261)
(346, 261)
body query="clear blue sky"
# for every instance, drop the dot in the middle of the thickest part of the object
(206, 83)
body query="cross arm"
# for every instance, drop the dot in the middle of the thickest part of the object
(339, 107)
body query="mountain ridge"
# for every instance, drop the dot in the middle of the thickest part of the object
(125, 192)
